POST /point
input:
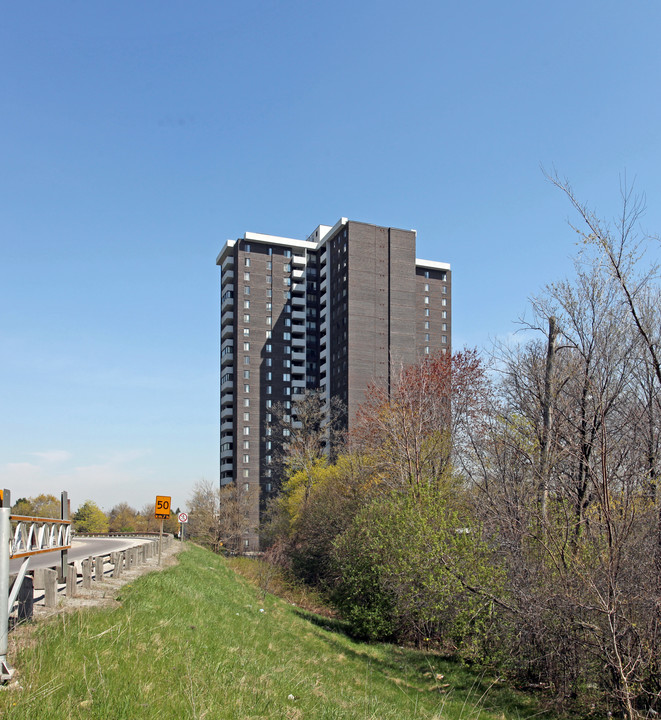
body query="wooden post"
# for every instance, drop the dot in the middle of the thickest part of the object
(87, 574)
(50, 591)
(72, 577)
(160, 542)
(98, 568)
(25, 599)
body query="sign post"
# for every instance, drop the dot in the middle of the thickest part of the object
(162, 512)
(183, 519)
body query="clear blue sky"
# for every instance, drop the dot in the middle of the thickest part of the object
(136, 137)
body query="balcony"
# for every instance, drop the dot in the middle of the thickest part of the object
(298, 274)
(298, 259)
(322, 274)
(227, 466)
(324, 285)
(298, 383)
(298, 287)
(298, 342)
(298, 300)
(227, 275)
(298, 315)
(227, 316)
(228, 263)
(227, 331)
(227, 413)
(227, 398)
(298, 356)
(224, 454)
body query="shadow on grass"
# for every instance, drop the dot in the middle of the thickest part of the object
(429, 671)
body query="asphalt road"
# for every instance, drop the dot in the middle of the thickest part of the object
(80, 549)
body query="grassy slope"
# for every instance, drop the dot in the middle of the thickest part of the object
(192, 642)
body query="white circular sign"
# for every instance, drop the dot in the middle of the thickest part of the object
(183, 517)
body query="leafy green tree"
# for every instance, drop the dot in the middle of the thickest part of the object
(46, 506)
(407, 569)
(89, 518)
(123, 518)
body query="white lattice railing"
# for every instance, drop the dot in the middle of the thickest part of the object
(33, 535)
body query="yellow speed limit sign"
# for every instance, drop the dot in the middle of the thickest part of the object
(162, 509)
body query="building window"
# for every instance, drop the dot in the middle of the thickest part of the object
(246, 388)
(269, 431)
(444, 302)
(246, 261)
(269, 306)
(246, 276)
(444, 327)
(287, 391)
(246, 318)
(246, 346)
(427, 273)
(246, 247)
(286, 363)
(269, 444)
(287, 253)
(427, 350)
(426, 299)
(267, 458)
(269, 375)
(287, 308)
(269, 264)
(286, 377)
(286, 432)
(269, 320)
(287, 350)
(267, 347)
(269, 292)
(246, 360)
(444, 314)
(246, 402)
(426, 337)
(444, 276)
(246, 473)
(246, 374)
(426, 324)
(286, 336)
(287, 268)
(246, 332)
(246, 417)
(269, 334)
(269, 389)
(269, 279)
(287, 322)
(246, 289)
(444, 338)
(286, 281)
(246, 304)
(426, 287)
(270, 251)
(267, 487)
(444, 290)
(426, 312)
(269, 362)
(269, 403)
(246, 430)
(246, 444)
(268, 416)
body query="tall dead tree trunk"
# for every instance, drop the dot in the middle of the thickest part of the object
(547, 421)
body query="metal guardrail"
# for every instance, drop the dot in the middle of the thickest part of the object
(34, 535)
(30, 536)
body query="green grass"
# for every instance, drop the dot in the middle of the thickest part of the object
(192, 642)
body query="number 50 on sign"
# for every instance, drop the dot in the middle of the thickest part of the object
(162, 509)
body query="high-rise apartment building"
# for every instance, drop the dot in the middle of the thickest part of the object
(332, 312)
